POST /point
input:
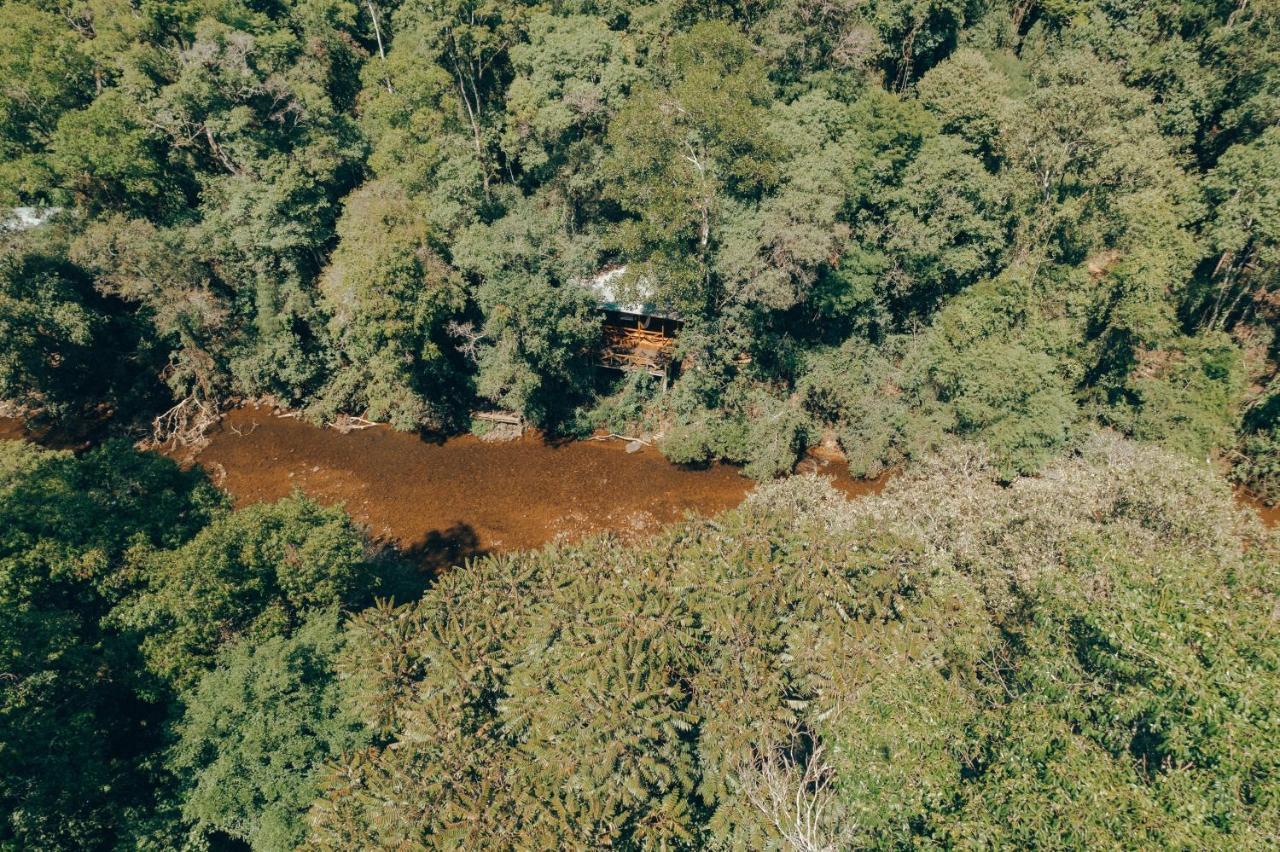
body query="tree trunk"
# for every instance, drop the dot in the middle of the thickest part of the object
(472, 116)
(377, 34)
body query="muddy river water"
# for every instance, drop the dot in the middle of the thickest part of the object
(445, 500)
(460, 496)
(452, 498)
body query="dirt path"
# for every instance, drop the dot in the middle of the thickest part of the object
(1270, 514)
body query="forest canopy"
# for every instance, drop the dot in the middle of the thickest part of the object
(1008, 220)
(1024, 253)
(1076, 660)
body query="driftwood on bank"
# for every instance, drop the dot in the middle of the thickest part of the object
(185, 425)
(614, 436)
(504, 418)
(346, 423)
(502, 425)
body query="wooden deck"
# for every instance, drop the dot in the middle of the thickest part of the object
(630, 346)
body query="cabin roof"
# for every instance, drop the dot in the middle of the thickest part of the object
(605, 285)
(26, 218)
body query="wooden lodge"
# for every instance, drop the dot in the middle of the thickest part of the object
(638, 335)
(638, 342)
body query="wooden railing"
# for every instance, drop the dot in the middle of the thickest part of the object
(634, 348)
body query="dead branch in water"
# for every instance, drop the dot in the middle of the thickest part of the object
(187, 424)
(345, 423)
(614, 436)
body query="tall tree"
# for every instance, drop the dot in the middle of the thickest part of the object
(254, 735)
(389, 296)
(680, 151)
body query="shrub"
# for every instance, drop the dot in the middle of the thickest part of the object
(255, 733)
(255, 573)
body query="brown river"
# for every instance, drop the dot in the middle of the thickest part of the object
(446, 500)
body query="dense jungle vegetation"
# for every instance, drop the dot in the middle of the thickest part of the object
(1025, 250)
(884, 221)
(1083, 659)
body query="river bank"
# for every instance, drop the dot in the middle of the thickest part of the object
(448, 499)
(461, 496)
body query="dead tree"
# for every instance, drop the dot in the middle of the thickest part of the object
(186, 424)
(791, 786)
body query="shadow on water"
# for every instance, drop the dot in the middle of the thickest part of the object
(434, 437)
(76, 435)
(441, 550)
(407, 571)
